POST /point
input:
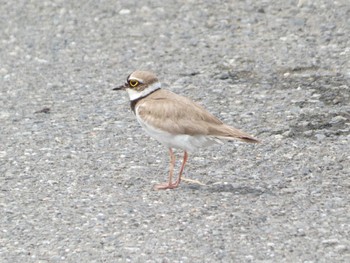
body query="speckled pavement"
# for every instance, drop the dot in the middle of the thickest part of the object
(77, 170)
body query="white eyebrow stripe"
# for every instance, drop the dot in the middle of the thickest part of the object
(139, 80)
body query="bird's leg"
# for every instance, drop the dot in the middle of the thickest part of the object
(172, 165)
(176, 184)
(183, 178)
(170, 184)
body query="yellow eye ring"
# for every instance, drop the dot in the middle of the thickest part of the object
(133, 83)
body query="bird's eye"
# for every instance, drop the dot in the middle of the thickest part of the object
(133, 83)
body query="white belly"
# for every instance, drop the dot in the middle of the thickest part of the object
(181, 141)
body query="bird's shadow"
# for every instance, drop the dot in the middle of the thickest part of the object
(229, 188)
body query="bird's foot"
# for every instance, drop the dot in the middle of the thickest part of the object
(165, 186)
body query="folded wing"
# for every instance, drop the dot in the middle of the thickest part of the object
(179, 115)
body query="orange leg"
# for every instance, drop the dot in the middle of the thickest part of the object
(171, 172)
(178, 181)
(170, 184)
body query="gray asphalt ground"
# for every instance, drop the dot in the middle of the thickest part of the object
(76, 169)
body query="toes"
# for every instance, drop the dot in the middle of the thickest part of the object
(164, 186)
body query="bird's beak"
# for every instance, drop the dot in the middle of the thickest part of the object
(122, 87)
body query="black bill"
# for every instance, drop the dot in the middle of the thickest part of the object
(121, 87)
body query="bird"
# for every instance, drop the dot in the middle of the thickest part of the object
(175, 121)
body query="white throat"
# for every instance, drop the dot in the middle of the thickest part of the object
(134, 94)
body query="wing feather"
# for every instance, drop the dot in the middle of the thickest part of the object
(178, 115)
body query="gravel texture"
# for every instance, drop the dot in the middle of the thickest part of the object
(76, 169)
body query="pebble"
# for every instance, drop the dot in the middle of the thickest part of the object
(124, 12)
(330, 242)
(337, 119)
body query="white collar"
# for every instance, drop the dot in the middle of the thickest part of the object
(134, 94)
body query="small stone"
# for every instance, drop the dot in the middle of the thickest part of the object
(287, 134)
(337, 119)
(320, 136)
(330, 242)
(124, 12)
(3, 71)
(341, 248)
(297, 21)
(278, 137)
(224, 76)
(304, 123)
(308, 133)
(261, 10)
(101, 216)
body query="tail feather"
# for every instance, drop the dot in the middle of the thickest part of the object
(248, 139)
(230, 133)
